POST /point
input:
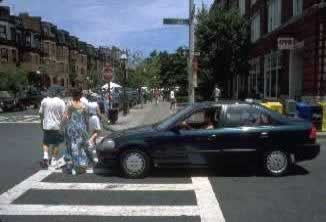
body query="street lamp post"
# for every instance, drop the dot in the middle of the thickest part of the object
(123, 59)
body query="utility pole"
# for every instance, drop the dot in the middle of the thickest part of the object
(191, 88)
(191, 23)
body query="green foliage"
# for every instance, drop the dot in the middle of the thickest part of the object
(223, 42)
(13, 80)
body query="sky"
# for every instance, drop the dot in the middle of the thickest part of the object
(133, 24)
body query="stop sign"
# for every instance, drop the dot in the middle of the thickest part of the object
(107, 73)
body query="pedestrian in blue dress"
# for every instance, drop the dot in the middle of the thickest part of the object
(76, 134)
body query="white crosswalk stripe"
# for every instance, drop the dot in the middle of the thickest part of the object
(207, 208)
(25, 119)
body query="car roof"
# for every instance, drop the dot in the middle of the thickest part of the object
(222, 102)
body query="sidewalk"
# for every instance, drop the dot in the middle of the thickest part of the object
(150, 113)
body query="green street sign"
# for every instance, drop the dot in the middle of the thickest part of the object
(175, 21)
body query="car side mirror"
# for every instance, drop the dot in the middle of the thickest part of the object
(176, 128)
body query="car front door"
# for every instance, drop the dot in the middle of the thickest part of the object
(192, 143)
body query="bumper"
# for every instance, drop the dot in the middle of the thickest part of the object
(307, 152)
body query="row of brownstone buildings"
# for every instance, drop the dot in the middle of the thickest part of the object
(41, 48)
(297, 70)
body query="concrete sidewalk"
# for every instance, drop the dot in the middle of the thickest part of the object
(149, 114)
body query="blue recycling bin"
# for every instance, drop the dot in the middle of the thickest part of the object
(311, 112)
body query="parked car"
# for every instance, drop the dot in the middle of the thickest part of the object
(7, 101)
(30, 97)
(208, 133)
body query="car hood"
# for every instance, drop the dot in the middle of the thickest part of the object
(141, 130)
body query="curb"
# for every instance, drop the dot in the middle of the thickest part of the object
(321, 135)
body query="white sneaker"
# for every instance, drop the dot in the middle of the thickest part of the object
(60, 163)
(53, 163)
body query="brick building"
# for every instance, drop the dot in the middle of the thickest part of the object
(47, 53)
(295, 67)
(8, 46)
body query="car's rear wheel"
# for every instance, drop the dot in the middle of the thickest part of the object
(135, 163)
(276, 163)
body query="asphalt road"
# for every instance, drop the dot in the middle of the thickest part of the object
(242, 195)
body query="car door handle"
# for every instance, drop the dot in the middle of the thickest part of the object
(212, 137)
(264, 135)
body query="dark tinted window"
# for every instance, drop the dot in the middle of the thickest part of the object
(247, 115)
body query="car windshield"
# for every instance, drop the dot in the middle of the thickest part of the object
(171, 119)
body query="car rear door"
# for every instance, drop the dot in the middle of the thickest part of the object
(239, 140)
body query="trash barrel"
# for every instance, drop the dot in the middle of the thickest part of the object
(311, 112)
(290, 107)
(113, 115)
(323, 125)
(275, 106)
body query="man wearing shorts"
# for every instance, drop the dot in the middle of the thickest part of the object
(52, 113)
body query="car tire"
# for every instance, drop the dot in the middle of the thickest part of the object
(276, 162)
(135, 164)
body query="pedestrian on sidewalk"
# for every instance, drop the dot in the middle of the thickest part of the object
(173, 101)
(52, 113)
(157, 96)
(76, 134)
(216, 93)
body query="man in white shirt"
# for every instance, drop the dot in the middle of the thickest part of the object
(52, 113)
(216, 93)
(83, 99)
(173, 101)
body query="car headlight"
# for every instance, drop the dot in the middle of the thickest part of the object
(108, 144)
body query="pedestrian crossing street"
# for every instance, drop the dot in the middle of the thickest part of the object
(19, 118)
(23, 199)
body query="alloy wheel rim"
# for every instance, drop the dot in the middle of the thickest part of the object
(134, 163)
(277, 162)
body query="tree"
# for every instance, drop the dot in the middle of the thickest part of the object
(13, 80)
(223, 42)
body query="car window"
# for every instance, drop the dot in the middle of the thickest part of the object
(196, 118)
(247, 115)
(203, 119)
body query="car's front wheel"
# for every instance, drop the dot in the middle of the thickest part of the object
(135, 163)
(276, 163)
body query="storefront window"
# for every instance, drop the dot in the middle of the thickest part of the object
(272, 67)
(255, 86)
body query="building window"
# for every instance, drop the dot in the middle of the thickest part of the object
(4, 55)
(19, 38)
(297, 7)
(14, 55)
(28, 39)
(255, 28)
(274, 14)
(3, 32)
(242, 7)
(272, 68)
(36, 41)
(13, 34)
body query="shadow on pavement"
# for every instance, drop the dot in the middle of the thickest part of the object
(229, 171)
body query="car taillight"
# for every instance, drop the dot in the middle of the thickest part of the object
(313, 133)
